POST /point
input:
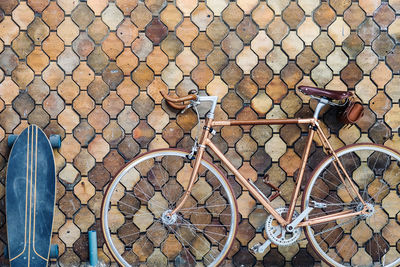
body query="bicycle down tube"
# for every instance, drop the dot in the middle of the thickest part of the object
(314, 127)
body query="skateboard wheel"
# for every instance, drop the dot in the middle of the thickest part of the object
(55, 140)
(11, 139)
(54, 251)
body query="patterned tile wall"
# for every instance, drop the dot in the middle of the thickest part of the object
(91, 71)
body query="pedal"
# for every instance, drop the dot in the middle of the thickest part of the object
(267, 182)
(260, 248)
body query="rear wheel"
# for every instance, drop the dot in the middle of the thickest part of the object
(135, 213)
(372, 239)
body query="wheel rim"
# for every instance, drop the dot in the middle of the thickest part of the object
(176, 230)
(367, 239)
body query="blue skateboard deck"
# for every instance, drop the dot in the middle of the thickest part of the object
(30, 198)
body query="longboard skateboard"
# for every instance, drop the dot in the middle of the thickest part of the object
(30, 197)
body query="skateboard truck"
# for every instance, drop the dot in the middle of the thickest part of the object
(267, 182)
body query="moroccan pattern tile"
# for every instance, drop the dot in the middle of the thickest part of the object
(91, 71)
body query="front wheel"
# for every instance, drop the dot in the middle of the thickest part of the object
(135, 213)
(372, 239)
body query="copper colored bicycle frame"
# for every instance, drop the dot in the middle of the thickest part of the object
(313, 127)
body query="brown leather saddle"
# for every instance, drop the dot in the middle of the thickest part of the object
(334, 95)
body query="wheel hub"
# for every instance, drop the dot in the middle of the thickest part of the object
(280, 235)
(167, 218)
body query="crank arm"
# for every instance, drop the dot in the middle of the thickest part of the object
(290, 227)
(258, 248)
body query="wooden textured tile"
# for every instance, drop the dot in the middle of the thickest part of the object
(142, 46)
(368, 31)
(23, 15)
(8, 61)
(68, 31)
(97, 60)
(112, 46)
(8, 30)
(171, 16)
(97, 30)
(112, 16)
(22, 75)
(68, 89)
(52, 46)
(232, 15)
(156, 31)
(127, 32)
(292, 15)
(232, 45)
(202, 16)
(38, 90)
(141, 16)
(278, 29)
(37, 60)
(354, 16)
(23, 105)
(8, 6)
(324, 15)
(82, 15)
(187, 31)
(53, 104)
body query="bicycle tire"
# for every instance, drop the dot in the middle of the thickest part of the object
(361, 240)
(145, 235)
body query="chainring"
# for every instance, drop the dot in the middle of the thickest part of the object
(278, 234)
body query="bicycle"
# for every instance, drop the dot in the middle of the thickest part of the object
(174, 207)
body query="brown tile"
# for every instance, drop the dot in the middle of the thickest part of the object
(23, 15)
(113, 162)
(276, 59)
(127, 32)
(52, 46)
(127, 61)
(216, 30)
(155, 5)
(351, 74)
(128, 119)
(98, 60)
(84, 162)
(53, 75)
(97, 30)
(53, 15)
(369, 6)
(83, 104)
(98, 89)
(186, 61)
(187, 31)
(354, 16)
(172, 133)
(232, 45)
(172, 46)
(340, 5)
(98, 119)
(112, 75)
(384, 15)
(8, 6)
(127, 90)
(9, 90)
(8, 61)
(143, 105)
(202, 75)
(142, 76)
(141, 16)
(8, 30)
(112, 46)
(113, 104)
(393, 59)
(97, 6)
(217, 60)
(307, 60)
(38, 90)
(277, 29)
(84, 219)
(82, 15)
(157, 60)
(68, 89)
(84, 190)
(38, 5)
(69, 204)
(247, 30)
(202, 46)
(99, 176)
(9, 119)
(323, 45)
(126, 6)
(68, 30)
(83, 75)
(232, 74)
(232, 15)
(37, 60)
(291, 74)
(22, 75)
(83, 45)
(202, 16)
(276, 89)
(38, 116)
(186, 6)
(142, 47)
(68, 119)
(53, 104)
(156, 31)
(380, 104)
(112, 16)
(171, 16)
(292, 45)
(353, 45)
(23, 105)
(113, 134)
(394, 30)
(293, 15)
(381, 75)
(324, 15)
(368, 31)
(83, 133)
(383, 44)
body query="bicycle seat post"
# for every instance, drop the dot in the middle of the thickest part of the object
(321, 103)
